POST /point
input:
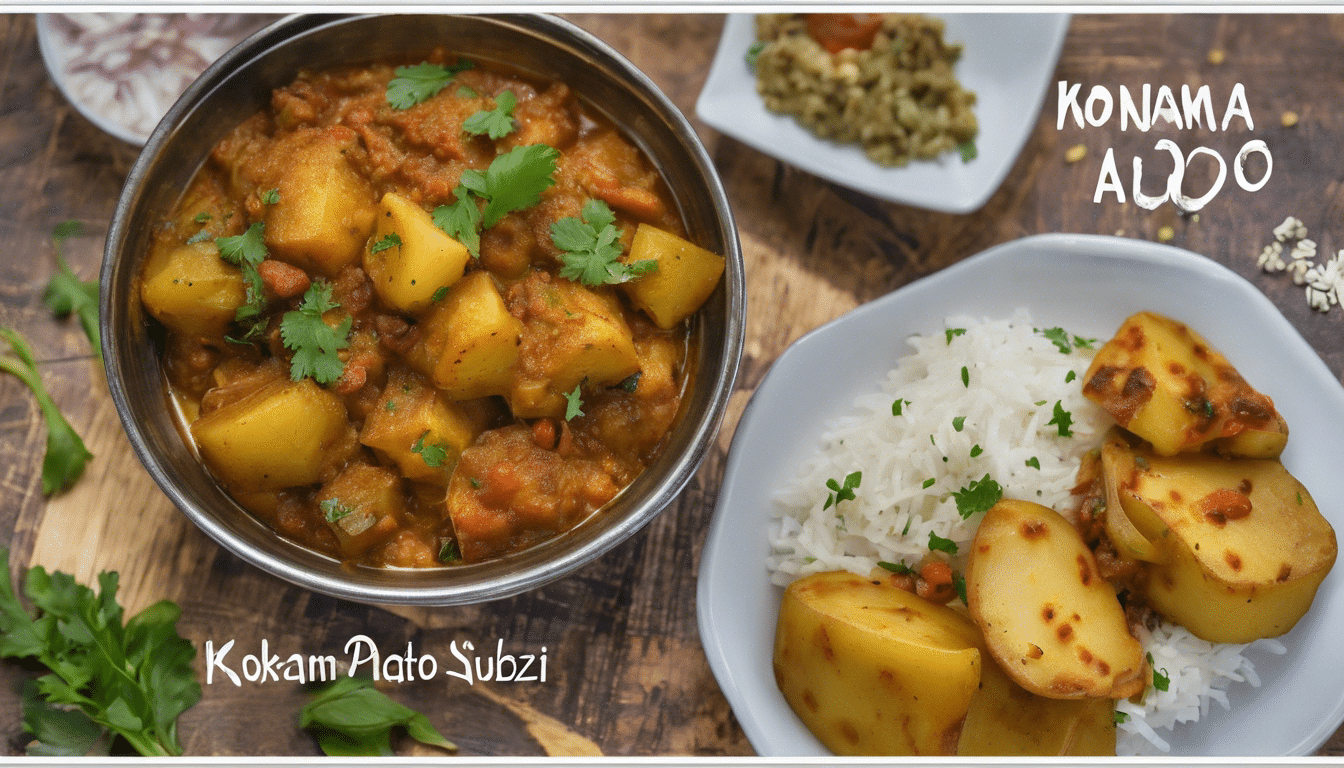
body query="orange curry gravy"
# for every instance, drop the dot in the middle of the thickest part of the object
(523, 478)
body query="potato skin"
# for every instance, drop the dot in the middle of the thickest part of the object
(1165, 383)
(872, 669)
(1007, 720)
(1243, 545)
(686, 275)
(1049, 619)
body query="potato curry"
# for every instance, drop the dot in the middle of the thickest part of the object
(426, 314)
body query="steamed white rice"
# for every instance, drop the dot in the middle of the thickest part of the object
(1014, 375)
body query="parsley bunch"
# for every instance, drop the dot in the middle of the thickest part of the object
(106, 678)
(592, 249)
(315, 344)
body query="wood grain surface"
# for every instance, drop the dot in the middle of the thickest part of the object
(626, 673)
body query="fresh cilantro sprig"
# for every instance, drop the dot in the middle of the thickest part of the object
(246, 251)
(495, 123)
(591, 247)
(105, 678)
(314, 343)
(66, 294)
(513, 181)
(977, 496)
(418, 82)
(842, 491)
(461, 219)
(66, 454)
(351, 718)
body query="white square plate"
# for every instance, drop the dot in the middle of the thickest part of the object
(1088, 284)
(1007, 59)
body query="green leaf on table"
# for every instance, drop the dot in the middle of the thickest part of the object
(66, 454)
(351, 718)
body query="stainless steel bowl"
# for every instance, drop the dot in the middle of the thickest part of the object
(238, 85)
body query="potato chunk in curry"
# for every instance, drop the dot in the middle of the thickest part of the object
(394, 358)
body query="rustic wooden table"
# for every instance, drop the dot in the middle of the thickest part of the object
(626, 675)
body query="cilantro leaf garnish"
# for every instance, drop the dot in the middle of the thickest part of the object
(314, 343)
(958, 422)
(952, 333)
(592, 249)
(105, 678)
(433, 455)
(899, 568)
(976, 450)
(390, 240)
(574, 403)
(897, 405)
(461, 219)
(968, 150)
(939, 544)
(1064, 341)
(842, 491)
(1160, 679)
(929, 483)
(1120, 717)
(247, 248)
(965, 376)
(416, 83)
(270, 197)
(977, 496)
(1062, 420)
(66, 454)
(959, 582)
(495, 123)
(513, 181)
(1033, 462)
(246, 251)
(350, 717)
(66, 294)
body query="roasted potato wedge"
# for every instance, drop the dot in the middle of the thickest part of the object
(872, 669)
(1165, 383)
(1007, 720)
(1049, 620)
(1243, 544)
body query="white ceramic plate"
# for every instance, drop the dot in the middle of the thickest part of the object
(1089, 285)
(1008, 61)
